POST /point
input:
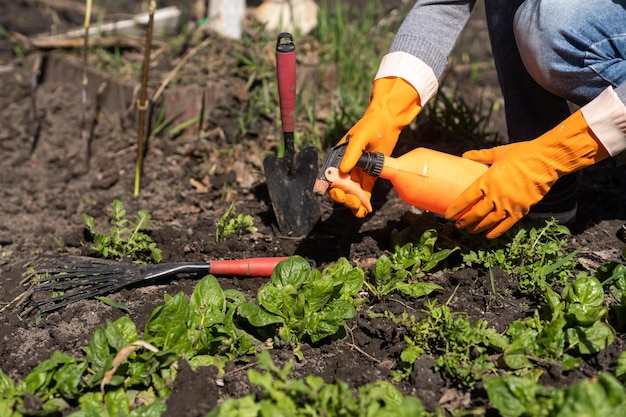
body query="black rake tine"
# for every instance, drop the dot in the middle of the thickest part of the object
(74, 297)
(52, 267)
(90, 277)
(83, 293)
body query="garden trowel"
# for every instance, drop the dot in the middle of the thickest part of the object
(290, 179)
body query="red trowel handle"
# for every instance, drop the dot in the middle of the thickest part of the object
(286, 78)
(252, 267)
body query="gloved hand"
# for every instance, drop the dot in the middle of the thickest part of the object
(394, 104)
(521, 174)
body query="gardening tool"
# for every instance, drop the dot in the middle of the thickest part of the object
(290, 179)
(80, 277)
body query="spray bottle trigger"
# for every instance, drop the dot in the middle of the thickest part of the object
(344, 182)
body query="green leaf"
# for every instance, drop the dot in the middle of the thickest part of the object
(6, 385)
(39, 379)
(68, 378)
(411, 354)
(207, 303)
(126, 327)
(121, 333)
(592, 339)
(515, 356)
(257, 316)
(156, 409)
(328, 321)
(111, 303)
(600, 397)
(317, 292)
(167, 326)
(586, 291)
(514, 396)
(293, 271)
(246, 406)
(620, 370)
(117, 403)
(417, 289)
(279, 301)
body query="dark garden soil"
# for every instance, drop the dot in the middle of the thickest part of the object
(187, 185)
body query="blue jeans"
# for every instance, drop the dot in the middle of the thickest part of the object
(548, 52)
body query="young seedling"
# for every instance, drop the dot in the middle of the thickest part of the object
(233, 224)
(461, 349)
(126, 238)
(401, 271)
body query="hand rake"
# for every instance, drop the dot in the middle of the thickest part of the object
(78, 277)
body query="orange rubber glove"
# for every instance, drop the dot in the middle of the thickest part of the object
(521, 174)
(394, 104)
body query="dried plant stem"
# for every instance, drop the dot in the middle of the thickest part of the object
(86, 139)
(35, 123)
(143, 104)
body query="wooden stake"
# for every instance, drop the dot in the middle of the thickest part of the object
(86, 140)
(143, 103)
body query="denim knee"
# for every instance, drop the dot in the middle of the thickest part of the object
(573, 48)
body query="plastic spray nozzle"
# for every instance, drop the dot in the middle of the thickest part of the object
(335, 155)
(370, 162)
(329, 176)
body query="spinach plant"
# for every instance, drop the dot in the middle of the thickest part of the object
(515, 396)
(126, 238)
(202, 329)
(570, 325)
(312, 397)
(461, 349)
(536, 257)
(402, 270)
(300, 301)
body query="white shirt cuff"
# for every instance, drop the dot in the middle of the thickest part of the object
(606, 117)
(411, 69)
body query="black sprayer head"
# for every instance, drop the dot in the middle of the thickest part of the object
(372, 163)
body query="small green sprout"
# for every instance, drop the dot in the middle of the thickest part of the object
(125, 238)
(233, 224)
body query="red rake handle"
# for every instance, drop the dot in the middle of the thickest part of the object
(286, 78)
(252, 267)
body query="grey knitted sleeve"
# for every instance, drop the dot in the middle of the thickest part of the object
(431, 29)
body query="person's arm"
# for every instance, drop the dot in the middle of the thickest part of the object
(406, 80)
(420, 50)
(430, 31)
(522, 173)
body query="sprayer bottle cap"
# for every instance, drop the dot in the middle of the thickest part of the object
(372, 163)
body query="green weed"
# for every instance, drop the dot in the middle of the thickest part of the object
(536, 257)
(461, 349)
